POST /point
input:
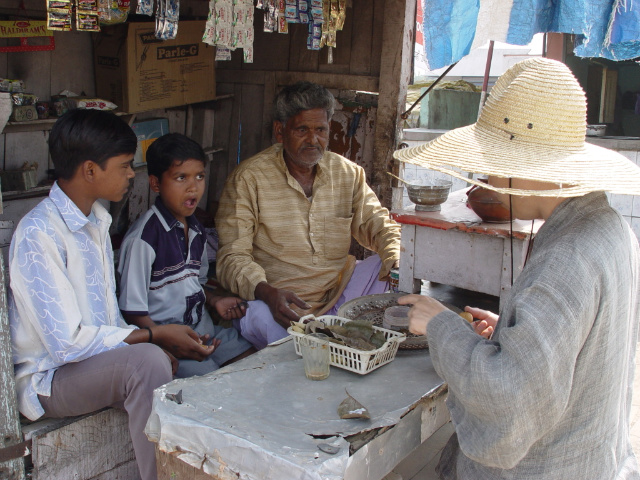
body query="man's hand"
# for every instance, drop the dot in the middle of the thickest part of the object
(229, 308)
(484, 321)
(422, 311)
(278, 301)
(183, 342)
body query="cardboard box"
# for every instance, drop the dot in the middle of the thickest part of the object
(138, 72)
(147, 132)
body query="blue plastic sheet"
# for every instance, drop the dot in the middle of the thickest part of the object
(603, 28)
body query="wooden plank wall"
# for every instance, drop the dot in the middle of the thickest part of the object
(373, 54)
(242, 124)
(369, 75)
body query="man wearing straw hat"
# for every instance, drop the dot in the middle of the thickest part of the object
(544, 390)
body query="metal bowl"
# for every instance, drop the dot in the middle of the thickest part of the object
(428, 198)
(596, 130)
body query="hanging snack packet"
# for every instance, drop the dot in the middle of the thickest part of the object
(58, 5)
(59, 20)
(87, 6)
(59, 15)
(87, 16)
(87, 22)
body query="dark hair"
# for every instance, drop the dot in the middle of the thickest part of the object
(81, 135)
(301, 96)
(169, 148)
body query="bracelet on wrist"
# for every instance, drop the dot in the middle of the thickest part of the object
(150, 334)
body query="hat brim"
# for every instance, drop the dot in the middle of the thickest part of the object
(482, 150)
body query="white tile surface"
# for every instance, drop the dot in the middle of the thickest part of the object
(622, 203)
(635, 226)
(635, 206)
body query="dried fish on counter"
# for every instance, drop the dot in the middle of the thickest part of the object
(356, 334)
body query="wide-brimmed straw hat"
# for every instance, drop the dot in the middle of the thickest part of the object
(531, 127)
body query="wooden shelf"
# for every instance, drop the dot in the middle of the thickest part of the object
(41, 191)
(41, 125)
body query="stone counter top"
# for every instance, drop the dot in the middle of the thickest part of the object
(616, 143)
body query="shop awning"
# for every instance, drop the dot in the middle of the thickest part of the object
(603, 28)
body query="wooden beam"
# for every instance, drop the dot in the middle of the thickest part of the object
(329, 80)
(9, 420)
(395, 73)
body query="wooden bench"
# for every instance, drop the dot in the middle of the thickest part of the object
(94, 446)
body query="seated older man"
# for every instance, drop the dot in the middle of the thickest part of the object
(286, 218)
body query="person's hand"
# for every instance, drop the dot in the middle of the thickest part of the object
(484, 321)
(182, 342)
(278, 300)
(422, 311)
(231, 308)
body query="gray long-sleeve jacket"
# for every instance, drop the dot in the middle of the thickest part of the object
(549, 396)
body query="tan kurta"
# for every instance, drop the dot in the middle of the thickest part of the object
(269, 231)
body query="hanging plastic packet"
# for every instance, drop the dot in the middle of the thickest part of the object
(111, 12)
(270, 23)
(167, 13)
(160, 8)
(145, 7)
(315, 35)
(247, 54)
(224, 23)
(326, 15)
(209, 35)
(342, 14)
(59, 15)
(281, 19)
(223, 53)
(303, 11)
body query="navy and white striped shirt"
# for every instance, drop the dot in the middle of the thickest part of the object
(159, 275)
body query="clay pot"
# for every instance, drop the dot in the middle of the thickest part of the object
(486, 205)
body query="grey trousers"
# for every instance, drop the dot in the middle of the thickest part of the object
(123, 378)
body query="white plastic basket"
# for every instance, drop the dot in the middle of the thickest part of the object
(348, 358)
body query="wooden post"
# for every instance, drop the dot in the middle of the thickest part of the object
(9, 419)
(395, 74)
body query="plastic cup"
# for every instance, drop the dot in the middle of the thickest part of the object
(396, 318)
(316, 355)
